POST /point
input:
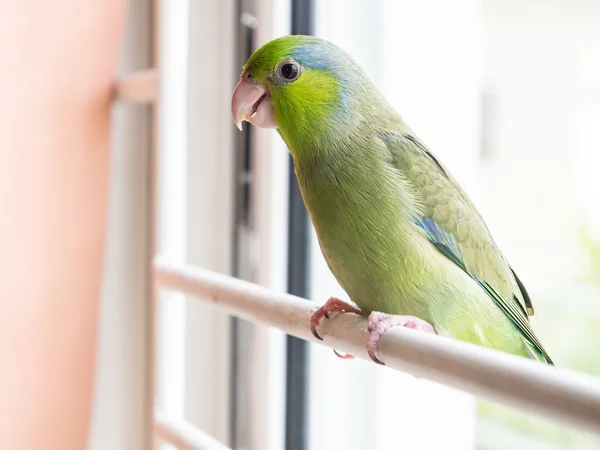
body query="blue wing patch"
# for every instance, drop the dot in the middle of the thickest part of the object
(439, 236)
(446, 243)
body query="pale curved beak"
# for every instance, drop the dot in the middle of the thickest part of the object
(251, 102)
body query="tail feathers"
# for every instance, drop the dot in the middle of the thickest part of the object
(534, 353)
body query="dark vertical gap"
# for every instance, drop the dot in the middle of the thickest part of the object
(242, 214)
(297, 382)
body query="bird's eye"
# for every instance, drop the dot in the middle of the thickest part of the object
(289, 71)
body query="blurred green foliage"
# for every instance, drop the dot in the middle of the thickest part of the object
(568, 322)
(591, 248)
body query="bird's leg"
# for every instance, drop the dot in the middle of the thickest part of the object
(332, 305)
(380, 322)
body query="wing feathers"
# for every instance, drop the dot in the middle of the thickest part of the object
(453, 224)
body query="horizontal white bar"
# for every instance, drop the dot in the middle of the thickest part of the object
(183, 435)
(138, 87)
(553, 392)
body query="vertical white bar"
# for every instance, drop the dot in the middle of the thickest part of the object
(210, 209)
(120, 391)
(171, 201)
(266, 378)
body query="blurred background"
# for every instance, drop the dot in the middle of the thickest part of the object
(505, 92)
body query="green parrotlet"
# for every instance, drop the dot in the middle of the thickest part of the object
(400, 235)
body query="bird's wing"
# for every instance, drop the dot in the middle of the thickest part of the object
(451, 222)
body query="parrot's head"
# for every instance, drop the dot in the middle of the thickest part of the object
(305, 87)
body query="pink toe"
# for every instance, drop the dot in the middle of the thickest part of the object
(379, 323)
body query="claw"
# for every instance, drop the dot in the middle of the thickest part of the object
(315, 333)
(331, 306)
(375, 358)
(342, 355)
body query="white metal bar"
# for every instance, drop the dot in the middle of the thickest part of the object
(183, 435)
(209, 217)
(138, 87)
(170, 203)
(553, 392)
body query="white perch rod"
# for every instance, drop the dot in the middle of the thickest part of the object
(553, 392)
(137, 87)
(183, 435)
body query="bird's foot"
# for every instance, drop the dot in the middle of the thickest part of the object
(332, 305)
(380, 322)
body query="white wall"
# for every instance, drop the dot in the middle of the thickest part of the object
(541, 67)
